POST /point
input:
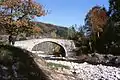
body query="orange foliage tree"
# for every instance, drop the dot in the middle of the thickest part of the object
(16, 15)
(97, 19)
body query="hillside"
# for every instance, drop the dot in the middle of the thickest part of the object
(16, 63)
(51, 30)
(46, 30)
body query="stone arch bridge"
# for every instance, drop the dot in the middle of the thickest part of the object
(67, 45)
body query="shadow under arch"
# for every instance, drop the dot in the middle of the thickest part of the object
(40, 47)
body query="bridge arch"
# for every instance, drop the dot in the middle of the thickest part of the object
(62, 47)
(67, 45)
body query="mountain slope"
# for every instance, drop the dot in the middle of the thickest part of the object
(47, 29)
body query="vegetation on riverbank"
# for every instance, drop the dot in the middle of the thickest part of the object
(101, 32)
(16, 63)
(56, 66)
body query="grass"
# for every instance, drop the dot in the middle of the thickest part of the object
(56, 66)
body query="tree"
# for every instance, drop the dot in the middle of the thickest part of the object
(16, 15)
(95, 23)
(71, 32)
(114, 10)
(96, 19)
(53, 34)
(114, 13)
(112, 33)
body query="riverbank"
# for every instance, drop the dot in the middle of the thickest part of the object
(86, 71)
(94, 59)
(86, 67)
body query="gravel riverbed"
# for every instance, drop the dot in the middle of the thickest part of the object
(85, 71)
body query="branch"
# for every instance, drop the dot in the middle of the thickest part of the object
(20, 18)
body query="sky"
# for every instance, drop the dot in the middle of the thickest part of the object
(68, 12)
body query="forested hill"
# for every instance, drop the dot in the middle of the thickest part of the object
(51, 30)
(46, 30)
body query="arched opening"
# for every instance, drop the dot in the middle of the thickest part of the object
(50, 48)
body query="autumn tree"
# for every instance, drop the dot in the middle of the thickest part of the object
(95, 22)
(16, 15)
(96, 19)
